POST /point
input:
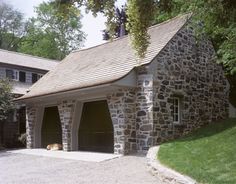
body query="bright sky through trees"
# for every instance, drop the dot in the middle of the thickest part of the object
(91, 26)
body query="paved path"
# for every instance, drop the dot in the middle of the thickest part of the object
(72, 155)
(29, 169)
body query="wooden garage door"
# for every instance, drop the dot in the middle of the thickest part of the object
(51, 131)
(96, 129)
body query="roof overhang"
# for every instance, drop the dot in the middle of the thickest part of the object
(83, 94)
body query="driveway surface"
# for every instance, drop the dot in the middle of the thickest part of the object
(73, 155)
(30, 169)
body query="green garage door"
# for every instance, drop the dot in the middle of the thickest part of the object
(51, 128)
(96, 129)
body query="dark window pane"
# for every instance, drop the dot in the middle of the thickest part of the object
(176, 101)
(176, 118)
(9, 74)
(22, 76)
(34, 77)
(176, 109)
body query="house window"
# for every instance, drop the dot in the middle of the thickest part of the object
(22, 76)
(176, 114)
(12, 74)
(36, 77)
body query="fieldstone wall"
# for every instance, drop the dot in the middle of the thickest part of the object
(122, 109)
(144, 109)
(187, 70)
(143, 116)
(30, 124)
(66, 112)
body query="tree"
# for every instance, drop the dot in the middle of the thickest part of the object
(120, 22)
(12, 27)
(57, 32)
(6, 98)
(140, 14)
(6, 104)
(40, 43)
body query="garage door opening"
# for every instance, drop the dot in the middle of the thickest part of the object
(96, 128)
(51, 131)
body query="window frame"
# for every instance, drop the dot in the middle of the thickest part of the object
(24, 76)
(37, 75)
(15, 74)
(32, 77)
(176, 113)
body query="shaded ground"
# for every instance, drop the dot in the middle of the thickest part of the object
(24, 169)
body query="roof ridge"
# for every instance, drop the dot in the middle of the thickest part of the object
(125, 36)
(187, 15)
(23, 54)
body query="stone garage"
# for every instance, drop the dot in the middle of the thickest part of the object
(105, 99)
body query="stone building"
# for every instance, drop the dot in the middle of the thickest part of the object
(106, 99)
(23, 71)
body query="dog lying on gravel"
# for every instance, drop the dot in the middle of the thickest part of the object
(54, 147)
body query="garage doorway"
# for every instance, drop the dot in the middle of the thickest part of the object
(51, 131)
(96, 128)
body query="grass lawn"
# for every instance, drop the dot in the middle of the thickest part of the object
(208, 155)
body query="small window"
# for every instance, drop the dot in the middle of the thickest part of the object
(9, 74)
(22, 76)
(34, 77)
(176, 110)
(12, 74)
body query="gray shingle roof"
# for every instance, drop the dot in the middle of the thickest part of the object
(104, 63)
(19, 59)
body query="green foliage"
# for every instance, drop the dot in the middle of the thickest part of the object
(40, 43)
(12, 27)
(52, 35)
(207, 155)
(120, 22)
(140, 15)
(5, 98)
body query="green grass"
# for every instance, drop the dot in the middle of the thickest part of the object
(208, 155)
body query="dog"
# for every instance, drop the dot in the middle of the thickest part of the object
(54, 147)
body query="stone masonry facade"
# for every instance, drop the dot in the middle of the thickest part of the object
(142, 116)
(122, 109)
(30, 125)
(187, 70)
(66, 111)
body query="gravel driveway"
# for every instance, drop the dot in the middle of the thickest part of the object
(28, 169)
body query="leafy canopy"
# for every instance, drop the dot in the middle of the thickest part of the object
(12, 27)
(140, 14)
(52, 35)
